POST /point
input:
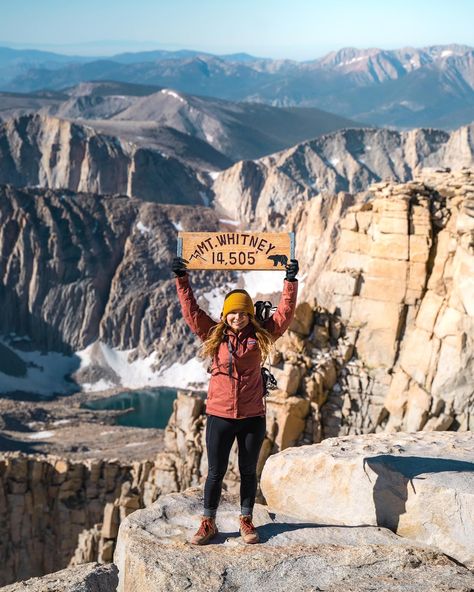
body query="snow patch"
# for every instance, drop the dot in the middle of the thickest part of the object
(182, 375)
(352, 61)
(40, 435)
(45, 373)
(228, 221)
(100, 385)
(142, 228)
(140, 373)
(209, 137)
(446, 52)
(61, 421)
(177, 225)
(214, 174)
(173, 94)
(334, 161)
(263, 282)
(215, 299)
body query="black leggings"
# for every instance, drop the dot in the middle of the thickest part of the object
(220, 435)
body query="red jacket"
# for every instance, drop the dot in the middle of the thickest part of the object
(237, 394)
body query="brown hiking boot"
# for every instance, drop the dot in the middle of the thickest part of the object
(248, 531)
(206, 531)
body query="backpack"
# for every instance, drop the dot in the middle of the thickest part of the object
(263, 311)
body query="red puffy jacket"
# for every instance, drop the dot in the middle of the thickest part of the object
(236, 389)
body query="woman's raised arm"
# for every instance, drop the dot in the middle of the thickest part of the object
(198, 321)
(279, 322)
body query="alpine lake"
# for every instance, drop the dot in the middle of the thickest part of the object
(150, 408)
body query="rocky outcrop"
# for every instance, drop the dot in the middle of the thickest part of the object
(264, 192)
(153, 554)
(421, 486)
(84, 503)
(397, 270)
(39, 150)
(89, 577)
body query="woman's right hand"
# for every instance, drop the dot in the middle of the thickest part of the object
(178, 266)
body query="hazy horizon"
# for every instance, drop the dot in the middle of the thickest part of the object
(305, 30)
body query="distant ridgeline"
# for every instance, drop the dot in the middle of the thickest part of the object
(403, 84)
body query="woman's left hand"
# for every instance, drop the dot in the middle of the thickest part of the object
(292, 269)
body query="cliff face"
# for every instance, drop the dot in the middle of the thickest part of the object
(263, 192)
(51, 495)
(81, 267)
(38, 150)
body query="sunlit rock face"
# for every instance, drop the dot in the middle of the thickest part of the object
(419, 485)
(43, 151)
(395, 265)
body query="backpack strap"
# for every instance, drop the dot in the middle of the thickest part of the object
(231, 351)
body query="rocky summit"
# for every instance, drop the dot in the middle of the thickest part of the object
(154, 554)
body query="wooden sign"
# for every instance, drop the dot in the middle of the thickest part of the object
(237, 250)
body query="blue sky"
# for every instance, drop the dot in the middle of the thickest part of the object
(297, 29)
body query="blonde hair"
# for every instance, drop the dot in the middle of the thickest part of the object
(216, 335)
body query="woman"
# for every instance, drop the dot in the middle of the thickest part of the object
(235, 408)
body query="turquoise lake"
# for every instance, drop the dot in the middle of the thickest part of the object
(152, 408)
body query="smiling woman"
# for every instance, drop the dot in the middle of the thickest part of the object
(235, 407)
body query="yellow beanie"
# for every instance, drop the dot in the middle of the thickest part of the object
(237, 300)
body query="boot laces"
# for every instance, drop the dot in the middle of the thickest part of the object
(206, 527)
(246, 524)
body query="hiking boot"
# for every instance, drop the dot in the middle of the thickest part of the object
(206, 531)
(248, 531)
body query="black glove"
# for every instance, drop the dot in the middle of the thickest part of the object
(178, 266)
(292, 269)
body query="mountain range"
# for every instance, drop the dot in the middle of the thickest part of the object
(119, 132)
(409, 87)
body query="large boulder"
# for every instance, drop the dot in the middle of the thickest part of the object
(419, 485)
(153, 554)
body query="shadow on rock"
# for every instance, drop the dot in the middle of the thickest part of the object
(396, 473)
